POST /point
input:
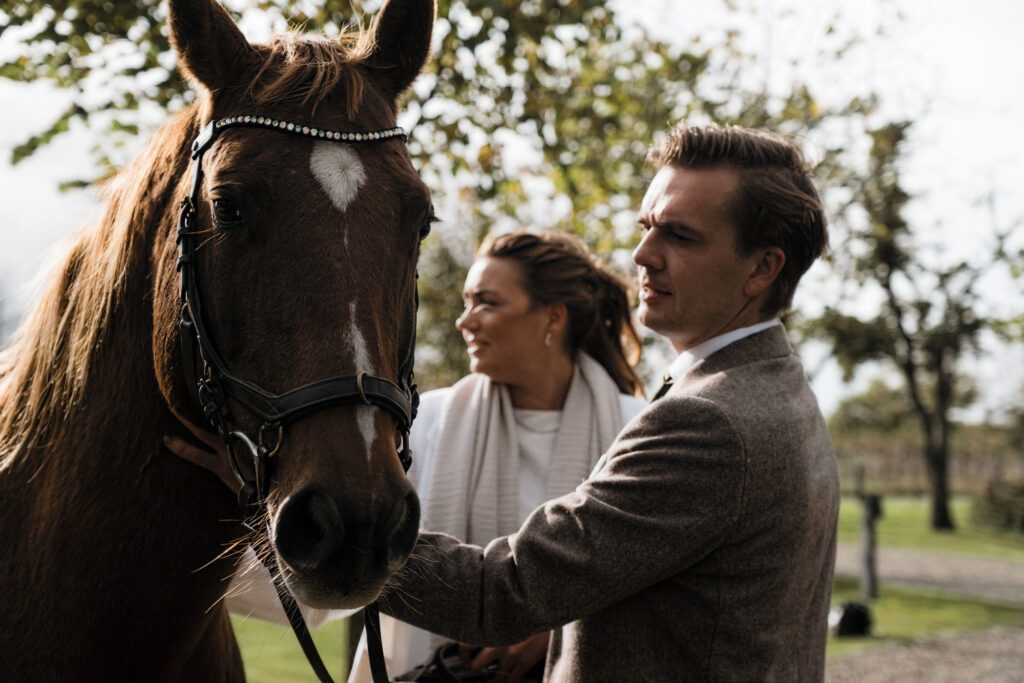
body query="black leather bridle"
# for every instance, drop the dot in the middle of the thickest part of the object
(212, 384)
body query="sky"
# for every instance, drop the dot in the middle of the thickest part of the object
(955, 68)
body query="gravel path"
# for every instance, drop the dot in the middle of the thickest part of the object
(989, 580)
(993, 656)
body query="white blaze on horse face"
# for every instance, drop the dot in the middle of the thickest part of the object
(339, 171)
(364, 414)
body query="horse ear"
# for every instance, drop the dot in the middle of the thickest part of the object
(211, 49)
(402, 41)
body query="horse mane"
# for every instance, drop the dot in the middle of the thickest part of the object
(312, 67)
(44, 371)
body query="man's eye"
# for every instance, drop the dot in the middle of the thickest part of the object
(226, 212)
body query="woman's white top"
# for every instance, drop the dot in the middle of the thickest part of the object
(537, 431)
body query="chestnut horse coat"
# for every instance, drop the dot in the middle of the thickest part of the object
(701, 548)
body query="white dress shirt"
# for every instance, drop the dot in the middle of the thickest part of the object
(688, 358)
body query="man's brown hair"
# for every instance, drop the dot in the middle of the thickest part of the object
(775, 203)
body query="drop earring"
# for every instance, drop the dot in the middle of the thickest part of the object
(547, 339)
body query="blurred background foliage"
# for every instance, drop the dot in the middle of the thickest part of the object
(538, 114)
(533, 114)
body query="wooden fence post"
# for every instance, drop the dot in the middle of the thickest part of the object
(871, 509)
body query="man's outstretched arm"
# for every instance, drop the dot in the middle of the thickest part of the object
(667, 496)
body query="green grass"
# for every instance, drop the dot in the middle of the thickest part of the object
(905, 614)
(904, 524)
(272, 654)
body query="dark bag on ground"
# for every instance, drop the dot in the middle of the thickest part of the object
(854, 620)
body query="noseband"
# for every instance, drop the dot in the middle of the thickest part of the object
(212, 384)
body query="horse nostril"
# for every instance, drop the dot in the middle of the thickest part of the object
(309, 529)
(402, 528)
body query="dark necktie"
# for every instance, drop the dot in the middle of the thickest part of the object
(666, 384)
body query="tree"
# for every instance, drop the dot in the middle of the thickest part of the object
(880, 408)
(561, 79)
(558, 78)
(930, 314)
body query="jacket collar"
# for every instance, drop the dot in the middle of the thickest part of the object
(761, 346)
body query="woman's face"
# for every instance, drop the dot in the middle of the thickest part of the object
(504, 332)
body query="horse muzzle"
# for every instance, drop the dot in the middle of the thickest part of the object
(337, 555)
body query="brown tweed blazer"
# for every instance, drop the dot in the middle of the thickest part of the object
(700, 549)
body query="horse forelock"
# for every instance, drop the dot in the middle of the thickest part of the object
(45, 369)
(311, 67)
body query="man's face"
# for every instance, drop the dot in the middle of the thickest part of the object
(691, 277)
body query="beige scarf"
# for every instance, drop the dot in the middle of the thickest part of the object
(473, 487)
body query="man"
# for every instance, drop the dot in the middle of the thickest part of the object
(702, 545)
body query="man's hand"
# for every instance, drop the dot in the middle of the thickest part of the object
(514, 660)
(215, 460)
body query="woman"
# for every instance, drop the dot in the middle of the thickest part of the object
(552, 348)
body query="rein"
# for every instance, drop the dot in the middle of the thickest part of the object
(211, 384)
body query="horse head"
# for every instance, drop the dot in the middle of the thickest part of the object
(304, 250)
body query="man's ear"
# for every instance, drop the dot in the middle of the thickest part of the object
(211, 49)
(402, 33)
(767, 267)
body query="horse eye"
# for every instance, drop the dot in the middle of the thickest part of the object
(425, 230)
(226, 212)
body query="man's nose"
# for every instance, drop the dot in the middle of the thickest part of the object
(646, 253)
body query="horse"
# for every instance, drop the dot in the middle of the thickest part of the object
(116, 553)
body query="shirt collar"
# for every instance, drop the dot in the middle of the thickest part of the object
(690, 357)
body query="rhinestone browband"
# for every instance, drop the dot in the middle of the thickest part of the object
(319, 133)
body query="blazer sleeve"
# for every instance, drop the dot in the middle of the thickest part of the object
(667, 494)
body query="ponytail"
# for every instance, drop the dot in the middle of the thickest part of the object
(613, 341)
